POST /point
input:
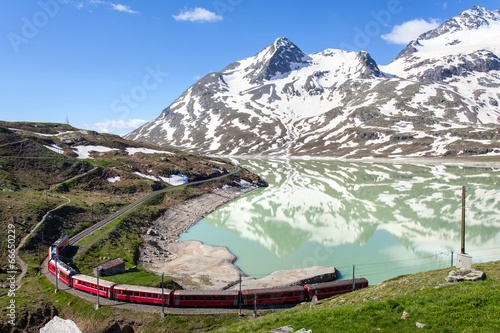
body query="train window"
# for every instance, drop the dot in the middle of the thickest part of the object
(148, 295)
(336, 288)
(143, 294)
(195, 298)
(216, 298)
(88, 284)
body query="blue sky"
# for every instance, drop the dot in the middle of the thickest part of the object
(111, 65)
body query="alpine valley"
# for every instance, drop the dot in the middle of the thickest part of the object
(439, 97)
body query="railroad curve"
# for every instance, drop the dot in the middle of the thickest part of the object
(78, 237)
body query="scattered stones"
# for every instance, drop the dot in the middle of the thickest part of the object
(314, 301)
(405, 315)
(419, 325)
(465, 275)
(289, 329)
(284, 329)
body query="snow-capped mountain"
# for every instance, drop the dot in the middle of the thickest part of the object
(336, 103)
(463, 52)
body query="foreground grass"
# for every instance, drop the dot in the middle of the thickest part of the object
(463, 307)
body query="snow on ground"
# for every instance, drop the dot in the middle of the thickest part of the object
(175, 180)
(60, 325)
(146, 176)
(55, 148)
(132, 151)
(113, 179)
(84, 151)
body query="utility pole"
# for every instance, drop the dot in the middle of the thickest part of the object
(55, 261)
(451, 259)
(97, 271)
(39, 268)
(463, 259)
(162, 298)
(240, 300)
(353, 282)
(463, 221)
(255, 305)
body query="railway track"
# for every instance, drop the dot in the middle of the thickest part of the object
(78, 237)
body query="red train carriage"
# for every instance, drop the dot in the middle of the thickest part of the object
(205, 298)
(124, 292)
(58, 246)
(89, 284)
(274, 295)
(329, 289)
(64, 272)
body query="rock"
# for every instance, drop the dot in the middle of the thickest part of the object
(405, 315)
(419, 325)
(284, 329)
(60, 325)
(465, 275)
(314, 301)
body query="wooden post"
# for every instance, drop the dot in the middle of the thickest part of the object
(463, 221)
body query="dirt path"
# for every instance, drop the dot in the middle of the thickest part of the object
(21, 263)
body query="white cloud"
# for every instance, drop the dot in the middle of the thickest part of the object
(408, 31)
(197, 15)
(116, 126)
(123, 8)
(114, 6)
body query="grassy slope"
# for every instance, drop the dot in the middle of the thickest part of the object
(463, 307)
(37, 180)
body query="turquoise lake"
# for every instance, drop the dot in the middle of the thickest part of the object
(386, 219)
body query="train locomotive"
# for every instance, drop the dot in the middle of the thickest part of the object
(193, 298)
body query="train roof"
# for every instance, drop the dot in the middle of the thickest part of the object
(91, 279)
(141, 289)
(60, 240)
(206, 292)
(335, 283)
(64, 266)
(273, 290)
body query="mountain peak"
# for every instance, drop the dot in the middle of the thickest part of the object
(282, 42)
(278, 58)
(472, 19)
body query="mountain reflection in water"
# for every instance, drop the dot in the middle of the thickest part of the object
(388, 219)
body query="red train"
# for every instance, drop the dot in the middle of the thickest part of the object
(197, 298)
(58, 246)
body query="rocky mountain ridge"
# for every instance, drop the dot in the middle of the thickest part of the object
(437, 98)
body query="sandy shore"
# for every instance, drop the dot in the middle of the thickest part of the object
(192, 264)
(204, 267)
